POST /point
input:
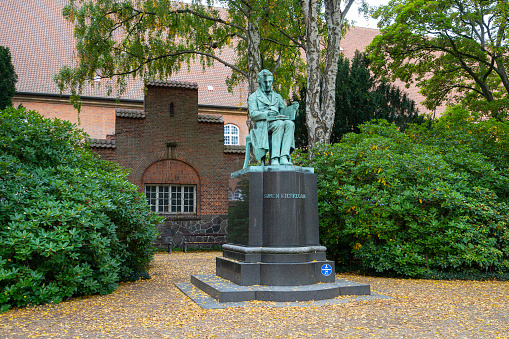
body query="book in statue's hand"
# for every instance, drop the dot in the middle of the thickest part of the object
(289, 112)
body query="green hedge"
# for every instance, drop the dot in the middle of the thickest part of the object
(418, 204)
(70, 223)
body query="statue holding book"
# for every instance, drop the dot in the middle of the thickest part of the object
(274, 128)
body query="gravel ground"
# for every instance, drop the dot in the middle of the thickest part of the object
(157, 309)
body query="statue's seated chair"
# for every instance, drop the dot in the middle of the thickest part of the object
(248, 150)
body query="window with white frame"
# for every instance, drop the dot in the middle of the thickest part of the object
(231, 135)
(174, 199)
(238, 195)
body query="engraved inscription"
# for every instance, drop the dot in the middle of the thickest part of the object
(284, 196)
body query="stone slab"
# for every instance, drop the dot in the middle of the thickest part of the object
(274, 254)
(205, 301)
(226, 291)
(274, 258)
(277, 209)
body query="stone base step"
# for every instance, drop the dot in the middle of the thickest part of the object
(226, 291)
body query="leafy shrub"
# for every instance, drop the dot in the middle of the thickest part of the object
(415, 203)
(70, 223)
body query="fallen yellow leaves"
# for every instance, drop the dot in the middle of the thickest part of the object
(156, 309)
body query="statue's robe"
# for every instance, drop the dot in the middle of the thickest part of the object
(259, 105)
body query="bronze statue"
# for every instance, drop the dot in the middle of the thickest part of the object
(272, 120)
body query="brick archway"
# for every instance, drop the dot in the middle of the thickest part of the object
(170, 172)
(173, 172)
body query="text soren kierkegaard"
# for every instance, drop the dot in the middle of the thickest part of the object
(284, 196)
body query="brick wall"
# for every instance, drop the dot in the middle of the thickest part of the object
(97, 121)
(175, 149)
(106, 153)
(164, 146)
(233, 162)
(240, 122)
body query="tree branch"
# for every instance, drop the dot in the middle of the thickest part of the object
(203, 16)
(278, 63)
(175, 54)
(281, 44)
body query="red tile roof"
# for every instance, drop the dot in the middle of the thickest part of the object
(215, 119)
(129, 113)
(102, 143)
(357, 38)
(234, 149)
(172, 83)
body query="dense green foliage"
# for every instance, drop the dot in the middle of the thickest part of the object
(455, 50)
(70, 223)
(425, 202)
(360, 97)
(8, 78)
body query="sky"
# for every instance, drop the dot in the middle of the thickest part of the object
(359, 19)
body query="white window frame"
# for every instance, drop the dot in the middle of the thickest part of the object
(238, 195)
(171, 199)
(231, 135)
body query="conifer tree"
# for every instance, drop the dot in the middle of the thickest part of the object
(8, 78)
(360, 97)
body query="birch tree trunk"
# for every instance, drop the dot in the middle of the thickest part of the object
(313, 121)
(321, 88)
(254, 63)
(254, 58)
(334, 19)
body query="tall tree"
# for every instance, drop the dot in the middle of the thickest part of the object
(153, 38)
(360, 97)
(322, 71)
(455, 50)
(8, 78)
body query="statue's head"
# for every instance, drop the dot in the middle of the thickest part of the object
(265, 80)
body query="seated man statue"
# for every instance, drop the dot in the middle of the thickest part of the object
(270, 115)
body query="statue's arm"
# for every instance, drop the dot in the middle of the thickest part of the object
(287, 112)
(254, 112)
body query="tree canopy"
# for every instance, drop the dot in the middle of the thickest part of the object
(455, 50)
(360, 97)
(153, 39)
(8, 78)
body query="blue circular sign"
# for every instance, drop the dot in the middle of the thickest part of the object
(326, 269)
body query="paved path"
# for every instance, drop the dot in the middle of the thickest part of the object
(157, 309)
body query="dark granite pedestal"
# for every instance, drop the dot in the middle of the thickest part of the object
(274, 253)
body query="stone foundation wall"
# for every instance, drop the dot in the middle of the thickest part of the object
(176, 226)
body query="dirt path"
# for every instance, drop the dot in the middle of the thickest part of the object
(157, 309)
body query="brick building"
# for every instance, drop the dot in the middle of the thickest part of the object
(177, 158)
